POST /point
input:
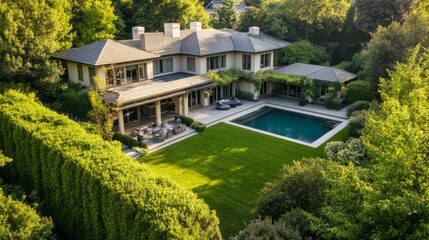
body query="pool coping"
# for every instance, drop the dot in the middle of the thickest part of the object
(315, 144)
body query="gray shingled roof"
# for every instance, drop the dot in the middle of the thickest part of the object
(104, 52)
(211, 41)
(318, 72)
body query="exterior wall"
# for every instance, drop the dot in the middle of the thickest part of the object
(72, 70)
(247, 87)
(74, 76)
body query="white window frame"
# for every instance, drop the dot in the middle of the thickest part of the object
(162, 66)
(265, 60)
(191, 64)
(216, 62)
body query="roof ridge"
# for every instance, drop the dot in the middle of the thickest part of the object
(102, 50)
(323, 67)
(198, 41)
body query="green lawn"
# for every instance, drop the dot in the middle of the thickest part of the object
(227, 166)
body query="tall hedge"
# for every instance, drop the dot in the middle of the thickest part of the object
(91, 189)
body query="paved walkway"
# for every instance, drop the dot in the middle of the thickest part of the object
(210, 115)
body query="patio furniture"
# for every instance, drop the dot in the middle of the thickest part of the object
(236, 101)
(220, 105)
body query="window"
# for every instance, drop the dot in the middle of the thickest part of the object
(216, 62)
(91, 74)
(162, 66)
(142, 71)
(80, 72)
(247, 61)
(265, 60)
(190, 61)
(131, 74)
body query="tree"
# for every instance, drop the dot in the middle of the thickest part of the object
(226, 16)
(394, 43)
(299, 186)
(304, 52)
(102, 114)
(93, 20)
(30, 32)
(397, 140)
(374, 13)
(153, 14)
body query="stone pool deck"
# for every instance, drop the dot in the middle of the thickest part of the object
(210, 116)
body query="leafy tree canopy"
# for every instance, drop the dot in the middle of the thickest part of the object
(226, 16)
(93, 20)
(30, 32)
(153, 14)
(374, 13)
(304, 52)
(393, 44)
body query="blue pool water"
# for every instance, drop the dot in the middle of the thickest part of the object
(288, 124)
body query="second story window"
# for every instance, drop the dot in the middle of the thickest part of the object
(216, 62)
(80, 72)
(265, 60)
(190, 62)
(162, 66)
(247, 62)
(142, 71)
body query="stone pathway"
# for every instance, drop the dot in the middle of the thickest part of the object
(129, 152)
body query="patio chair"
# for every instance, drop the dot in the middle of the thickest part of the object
(222, 106)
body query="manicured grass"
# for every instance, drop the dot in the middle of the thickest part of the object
(227, 166)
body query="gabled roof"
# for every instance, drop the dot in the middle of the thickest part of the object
(317, 72)
(104, 52)
(214, 5)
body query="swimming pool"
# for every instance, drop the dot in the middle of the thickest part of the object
(301, 127)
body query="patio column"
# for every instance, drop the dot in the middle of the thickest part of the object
(158, 113)
(139, 113)
(233, 89)
(121, 122)
(185, 104)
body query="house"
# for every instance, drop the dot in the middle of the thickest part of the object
(326, 76)
(212, 7)
(156, 72)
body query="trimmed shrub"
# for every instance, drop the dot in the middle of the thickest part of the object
(198, 126)
(301, 185)
(20, 221)
(358, 106)
(244, 95)
(345, 152)
(267, 229)
(357, 123)
(90, 188)
(128, 141)
(359, 90)
(74, 102)
(186, 120)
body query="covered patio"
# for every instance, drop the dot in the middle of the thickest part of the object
(153, 101)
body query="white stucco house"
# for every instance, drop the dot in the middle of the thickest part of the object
(155, 72)
(212, 7)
